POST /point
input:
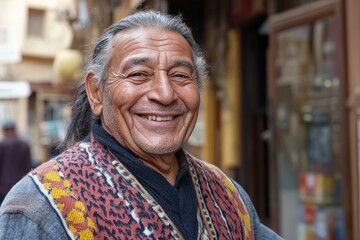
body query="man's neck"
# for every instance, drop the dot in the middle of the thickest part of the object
(167, 167)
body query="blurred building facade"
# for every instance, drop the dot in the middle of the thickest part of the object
(32, 34)
(42, 45)
(280, 112)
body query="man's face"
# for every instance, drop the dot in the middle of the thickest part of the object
(151, 98)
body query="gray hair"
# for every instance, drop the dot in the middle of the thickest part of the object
(101, 54)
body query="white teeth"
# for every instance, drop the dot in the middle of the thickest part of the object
(158, 118)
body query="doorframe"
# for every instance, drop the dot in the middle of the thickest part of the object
(352, 18)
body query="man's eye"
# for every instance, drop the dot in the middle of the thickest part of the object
(137, 74)
(179, 76)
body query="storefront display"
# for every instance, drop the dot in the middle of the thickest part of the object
(307, 113)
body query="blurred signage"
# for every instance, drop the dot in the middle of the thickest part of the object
(14, 89)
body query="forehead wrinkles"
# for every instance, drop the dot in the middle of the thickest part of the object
(142, 40)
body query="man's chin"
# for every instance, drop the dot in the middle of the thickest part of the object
(160, 149)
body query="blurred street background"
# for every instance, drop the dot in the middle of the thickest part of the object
(280, 112)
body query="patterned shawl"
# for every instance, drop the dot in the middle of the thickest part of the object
(96, 197)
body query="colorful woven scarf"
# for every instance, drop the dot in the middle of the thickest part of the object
(96, 197)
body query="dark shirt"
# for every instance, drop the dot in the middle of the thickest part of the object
(15, 162)
(178, 201)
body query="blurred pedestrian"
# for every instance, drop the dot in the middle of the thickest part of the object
(125, 174)
(15, 158)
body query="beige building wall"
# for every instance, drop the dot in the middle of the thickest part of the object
(35, 53)
(57, 32)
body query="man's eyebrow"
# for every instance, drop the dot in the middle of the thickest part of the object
(185, 64)
(145, 61)
(135, 61)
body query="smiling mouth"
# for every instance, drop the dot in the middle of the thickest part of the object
(158, 118)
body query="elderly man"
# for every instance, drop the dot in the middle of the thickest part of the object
(124, 174)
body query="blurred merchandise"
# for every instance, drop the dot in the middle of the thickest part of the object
(320, 222)
(309, 132)
(318, 188)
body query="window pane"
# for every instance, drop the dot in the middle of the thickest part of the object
(36, 23)
(308, 132)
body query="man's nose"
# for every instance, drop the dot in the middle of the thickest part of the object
(162, 90)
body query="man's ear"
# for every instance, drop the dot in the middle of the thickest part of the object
(94, 94)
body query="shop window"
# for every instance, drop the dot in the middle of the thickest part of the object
(55, 123)
(36, 23)
(308, 123)
(52, 117)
